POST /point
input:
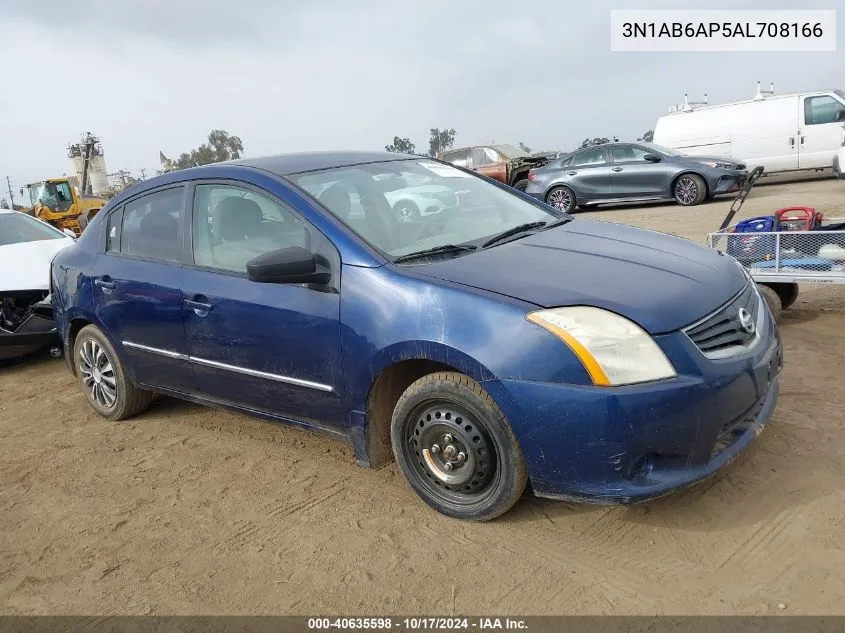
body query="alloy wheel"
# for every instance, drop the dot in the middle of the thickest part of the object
(560, 199)
(686, 190)
(97, 374)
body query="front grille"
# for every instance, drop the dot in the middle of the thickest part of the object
(722, 332)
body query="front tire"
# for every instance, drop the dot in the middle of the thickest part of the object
(104, 381)
(773, 300)
(456, 449)
(561, 198)
(521, 185)
(837, 168)
(689, 190)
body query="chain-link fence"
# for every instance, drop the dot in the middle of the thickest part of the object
(787, 254)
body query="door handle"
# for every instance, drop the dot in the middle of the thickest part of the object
(571, 173)
(106, 283)
(802, 140)
(617, 169)
(200, 307)
(792, 141)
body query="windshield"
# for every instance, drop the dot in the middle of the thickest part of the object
(50, 194)
(402, 207)
(17, 228)
(663, 150)
(510, 151)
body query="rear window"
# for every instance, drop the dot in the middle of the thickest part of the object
(18, 228)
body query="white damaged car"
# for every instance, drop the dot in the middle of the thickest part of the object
(27, 246)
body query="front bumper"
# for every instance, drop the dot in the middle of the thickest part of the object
(633, 443)
(36, 333)
(726, 181)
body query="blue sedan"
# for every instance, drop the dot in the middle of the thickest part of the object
(495, 343)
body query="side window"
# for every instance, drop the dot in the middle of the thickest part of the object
(821, 110)
(628, 154)
(590, 158)
(153, 226)
(479, 158)
(458, 157)
(233, 224)
(113, 231)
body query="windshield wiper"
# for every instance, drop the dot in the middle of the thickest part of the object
(445, 248)
(522, 228)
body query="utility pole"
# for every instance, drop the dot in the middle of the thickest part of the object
(11, 196)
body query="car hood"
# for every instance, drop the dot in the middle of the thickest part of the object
(26, 266)
(659, 281)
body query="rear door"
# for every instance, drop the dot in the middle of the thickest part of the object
(136, 287)
(489, 162)
(588, 174)
(633, 176)
(272, 348)
(821, 134)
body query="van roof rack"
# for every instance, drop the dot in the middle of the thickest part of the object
(761, 94)
(688, 105)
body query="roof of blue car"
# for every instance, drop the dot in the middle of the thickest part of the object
(286, 164)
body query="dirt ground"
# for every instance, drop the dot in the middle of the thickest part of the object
(189, 510)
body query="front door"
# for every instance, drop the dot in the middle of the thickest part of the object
(634, 177)
(136, 288)
(271, 348)
(821, 134)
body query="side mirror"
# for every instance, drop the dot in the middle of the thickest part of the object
(69, 233)
(293, 265)
(652, 158)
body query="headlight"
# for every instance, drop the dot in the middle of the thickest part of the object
(716, 165)
(613, 350)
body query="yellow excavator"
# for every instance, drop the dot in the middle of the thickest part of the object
(57, 202)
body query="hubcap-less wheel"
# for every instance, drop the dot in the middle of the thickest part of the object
(560, 199)
(454, 455)
(686, 190)
(97, 374)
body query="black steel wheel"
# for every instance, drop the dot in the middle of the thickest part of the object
(561, 198)
(104, 380)
(689, 190)
(455, 448)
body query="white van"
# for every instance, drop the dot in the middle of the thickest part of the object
(780, 132)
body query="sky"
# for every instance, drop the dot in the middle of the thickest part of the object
(152, 75)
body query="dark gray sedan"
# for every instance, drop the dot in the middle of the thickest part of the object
(632, 172)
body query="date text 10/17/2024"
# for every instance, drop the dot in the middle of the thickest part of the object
(416, 624)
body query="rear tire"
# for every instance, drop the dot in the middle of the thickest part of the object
(788, 293)
(689, 190)
(521, 185)
(104, 381)
(561, 198)
(455, 448)
(772, 300)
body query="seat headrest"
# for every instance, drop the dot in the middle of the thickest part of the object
(161, 226)
(238, 217)
(336, 199)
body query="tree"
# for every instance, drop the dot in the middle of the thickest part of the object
(440, 140)
(220, 147)
(648, 137)
(524, 148)
(401, 146)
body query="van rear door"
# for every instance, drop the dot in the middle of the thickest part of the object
(822, 121)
